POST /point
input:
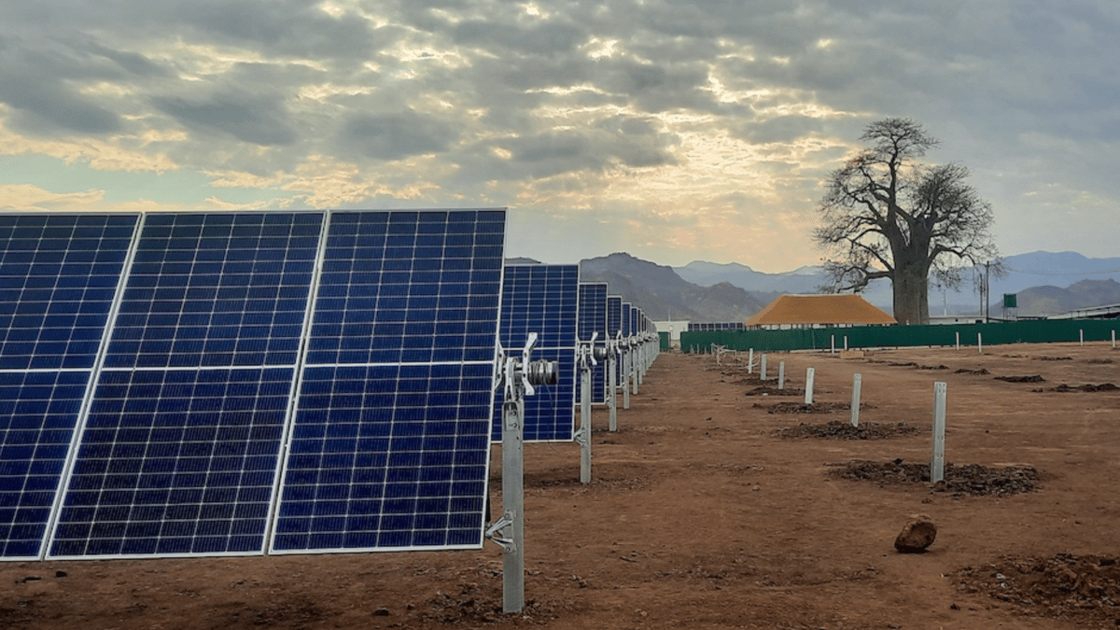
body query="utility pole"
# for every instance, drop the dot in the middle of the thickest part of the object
(987, 291)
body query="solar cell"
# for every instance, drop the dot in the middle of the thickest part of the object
(593, 319)
(58, 277)
(543, 299)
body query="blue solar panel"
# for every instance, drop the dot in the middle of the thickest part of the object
(176, 462)
(409, 287)
(38, 413)
(404, 334)
(614, 315)
(183, 433)
(216, 290)
(58, 278)
(179, 453)
(627, 329)
(388, 457)
(543, 299)
(593, 319)
(552, 408)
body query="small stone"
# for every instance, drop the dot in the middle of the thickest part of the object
(381, 612)
(918, 534)
(60, 574)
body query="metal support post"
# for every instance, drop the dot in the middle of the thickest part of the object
(937, 462)
(857, 384)
(583, 436)
(627, 360)
(782, 375)
(518, 378)
(513, 504)
(612, 384)
(810, 374)
(635, 361)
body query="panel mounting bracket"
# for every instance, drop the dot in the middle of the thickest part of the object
(495, 532)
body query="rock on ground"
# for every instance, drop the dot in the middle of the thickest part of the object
(918, 534)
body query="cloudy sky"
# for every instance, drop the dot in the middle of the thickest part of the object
(673, 130)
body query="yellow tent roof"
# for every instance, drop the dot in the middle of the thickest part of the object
(844, 308)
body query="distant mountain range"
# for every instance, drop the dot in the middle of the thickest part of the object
(1026, 275)
(1051, 300)
(710, 292)
(662, 294)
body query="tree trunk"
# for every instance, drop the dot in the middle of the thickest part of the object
(911, 294)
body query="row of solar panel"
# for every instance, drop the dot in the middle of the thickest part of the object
(550, 300)
(181, 437)
(154, 398)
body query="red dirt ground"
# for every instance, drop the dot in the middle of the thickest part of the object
(701, 515)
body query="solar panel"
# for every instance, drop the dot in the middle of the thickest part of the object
(181, 446)
(391, 438)
(175, 462)
(593, 319)
(149, 381)
(627, 328)
(58, 277)
(614, 316)
(543, 299)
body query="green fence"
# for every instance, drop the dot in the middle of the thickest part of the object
(1030, 331)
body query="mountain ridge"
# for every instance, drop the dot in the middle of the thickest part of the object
(731, 292)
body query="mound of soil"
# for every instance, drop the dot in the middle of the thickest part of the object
(1088, 387)
(1034, 378)
(755, 381)
(979, 372)
(791, 407)
(836, 430)
(1099, 361)
(1046, 358)
(1083, 589)
(766, 390)
(969, 479)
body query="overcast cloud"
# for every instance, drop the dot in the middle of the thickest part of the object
(672, 130)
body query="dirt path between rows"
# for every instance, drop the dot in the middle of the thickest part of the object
(702, 515)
